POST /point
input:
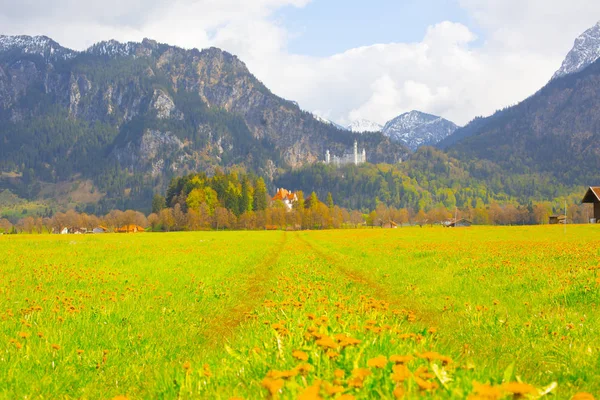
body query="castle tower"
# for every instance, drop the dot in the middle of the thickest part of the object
(364, 155)
(355, 152)
(327, 157)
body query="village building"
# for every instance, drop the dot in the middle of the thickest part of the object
(592, 196)
(457, 223)
(287, 197)
(100, 229)
(389, 225)
(355, 157)
(130, 229)
(557, 219)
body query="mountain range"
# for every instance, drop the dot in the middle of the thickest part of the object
(412, 129)
(121, 119)
(556, 131)
(129, 116)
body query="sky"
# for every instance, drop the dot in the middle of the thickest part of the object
(346, 60)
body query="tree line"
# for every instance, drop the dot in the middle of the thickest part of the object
(242, 201)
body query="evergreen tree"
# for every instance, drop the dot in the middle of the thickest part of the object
(260, 195)
(158, 203)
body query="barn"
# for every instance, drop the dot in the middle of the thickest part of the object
(130, 229)
(457, 223)
(592, 196)
(389, 225)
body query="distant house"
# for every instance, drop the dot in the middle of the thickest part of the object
(592, 196)
(64, 231)
(130, 229)
(77, 231)
(557, 219)
(457, 223)
(389, 225)
(287, 197)
(100, 229)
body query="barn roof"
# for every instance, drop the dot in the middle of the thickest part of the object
(592, 195)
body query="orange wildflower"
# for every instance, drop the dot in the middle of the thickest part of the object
(425, 385)
(327, 342)
(401, 359)
(303, 369)
(23, 335)
(300, 355)
(378, 362)
(274, 386)
(332, 390)
(401, 373)
(311, 392)
(399, 392)
(56, 347)
(187, 365)
(339, 373)
(485, 392)
(583, 396)
(519, 389)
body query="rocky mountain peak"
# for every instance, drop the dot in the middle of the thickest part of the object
(416, 129)
(36, 45)
(364, 125)
(585, 52)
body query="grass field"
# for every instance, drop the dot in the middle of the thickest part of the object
(480, 313)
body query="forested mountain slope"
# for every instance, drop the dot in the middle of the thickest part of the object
(556, 131)
(129, 116)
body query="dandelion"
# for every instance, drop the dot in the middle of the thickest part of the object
(399, 392)
(274, 386)
(400, 373)
(401, 359)
(425, 385)
(300, 355)
(23, 335)
(55, 347)
(583, 396)
(303, 369)
(485, 392)
(377, 362)
(519, 389)
(80, 352)
(311, 392)
(187, 365)
(206, 371)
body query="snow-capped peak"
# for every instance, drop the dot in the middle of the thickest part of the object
(114, 48)
(585, 52)
(36, 45)
(364, 125)
(416, 129)
(328, 122)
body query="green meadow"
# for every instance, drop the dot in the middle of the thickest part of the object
(479, 313)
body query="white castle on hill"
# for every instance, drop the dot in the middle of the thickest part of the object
(348, 158)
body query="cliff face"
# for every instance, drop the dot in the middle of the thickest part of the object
(153, 110)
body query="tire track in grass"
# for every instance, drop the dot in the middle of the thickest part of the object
(382, 292)
(249, 295)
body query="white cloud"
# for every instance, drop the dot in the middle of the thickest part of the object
(449, 72)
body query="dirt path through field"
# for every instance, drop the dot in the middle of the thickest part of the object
(249, 295)
(378, 290)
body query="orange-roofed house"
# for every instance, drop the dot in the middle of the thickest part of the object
(287, 197)
(130, 229)
(592, 196)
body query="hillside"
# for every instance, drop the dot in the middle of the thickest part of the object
(555, 132)
(129, 116)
